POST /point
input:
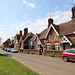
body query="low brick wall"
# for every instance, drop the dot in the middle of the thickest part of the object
(30, 51)
(46, 52)
(55, 52)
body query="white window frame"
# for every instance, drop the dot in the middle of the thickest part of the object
(57, 47)
(49, 37)
(55, 36)
(48, 45)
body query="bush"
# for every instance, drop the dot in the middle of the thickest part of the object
(52, 47)
(32, 52)
(28, 52)
(52, 55)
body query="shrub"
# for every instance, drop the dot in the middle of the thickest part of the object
(28, 52)
(52, 47)
(52, 55)
(32, 52)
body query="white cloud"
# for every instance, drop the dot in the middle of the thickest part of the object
(59, 17)
(37, 26)
(29, 4)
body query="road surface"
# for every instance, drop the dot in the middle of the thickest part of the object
(44, 65)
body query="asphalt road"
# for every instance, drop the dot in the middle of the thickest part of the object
(44, 65)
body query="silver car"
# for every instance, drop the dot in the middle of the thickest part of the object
(14, 50)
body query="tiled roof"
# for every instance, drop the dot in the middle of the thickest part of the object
(29, 34)
(67, 27)
(42, 42)
(63, 28)
(32, 37)
(43, 33)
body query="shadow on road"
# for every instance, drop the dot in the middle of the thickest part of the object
(5, 55)
(71, 61)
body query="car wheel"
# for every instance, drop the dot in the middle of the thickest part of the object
(65, 59)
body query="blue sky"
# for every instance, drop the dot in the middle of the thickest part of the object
(15, 15)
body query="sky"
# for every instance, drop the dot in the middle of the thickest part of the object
(15, 15)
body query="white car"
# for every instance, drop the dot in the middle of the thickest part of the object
(14, 50)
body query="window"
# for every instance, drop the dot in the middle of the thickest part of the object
(55, 37)
(71, 51)
(49, 37)
(48, 46)
(57, 47)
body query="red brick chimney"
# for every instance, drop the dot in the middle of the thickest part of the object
(50, 21)
(25, 31)
(73, 13)
(20, 32)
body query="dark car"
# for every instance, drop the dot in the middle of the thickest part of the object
(68, 54)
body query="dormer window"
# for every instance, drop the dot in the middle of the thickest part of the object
(55, 37)
(49, 37)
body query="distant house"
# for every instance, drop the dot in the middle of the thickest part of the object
(16, 41)
(22, 41)
(59, 36)
(32, 42)
(6, 43)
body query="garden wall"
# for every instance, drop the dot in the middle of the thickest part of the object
(29, 51)
(46, 52)
(55, 52)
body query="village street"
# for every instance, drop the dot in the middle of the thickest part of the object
(44, 65)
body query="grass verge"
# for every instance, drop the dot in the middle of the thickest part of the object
(9, 66)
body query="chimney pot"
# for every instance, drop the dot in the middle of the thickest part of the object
(73, 13)
(20, 32)
(25, 31)
(50, 21)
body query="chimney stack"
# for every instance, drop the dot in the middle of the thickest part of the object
(20, 32)
(50, 21)
(25, 31)
(73, 13)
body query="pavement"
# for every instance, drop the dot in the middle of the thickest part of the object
(44, 65)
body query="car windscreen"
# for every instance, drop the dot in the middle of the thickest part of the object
(71, 51)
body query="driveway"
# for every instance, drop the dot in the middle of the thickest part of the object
(44, 65)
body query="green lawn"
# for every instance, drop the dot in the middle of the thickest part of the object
(9, 66)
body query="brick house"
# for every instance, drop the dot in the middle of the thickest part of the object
(22, 41)
(32, 42)
(60, 36)
(16, 41)
(6, 43)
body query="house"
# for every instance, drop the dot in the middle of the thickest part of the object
(16, 41)
(22, 40)
(6, 43)
(32, 42)
(59, 36)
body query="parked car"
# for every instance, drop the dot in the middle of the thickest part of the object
(8, 49)
(5, 49)
(14, 50)
(68, 54)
